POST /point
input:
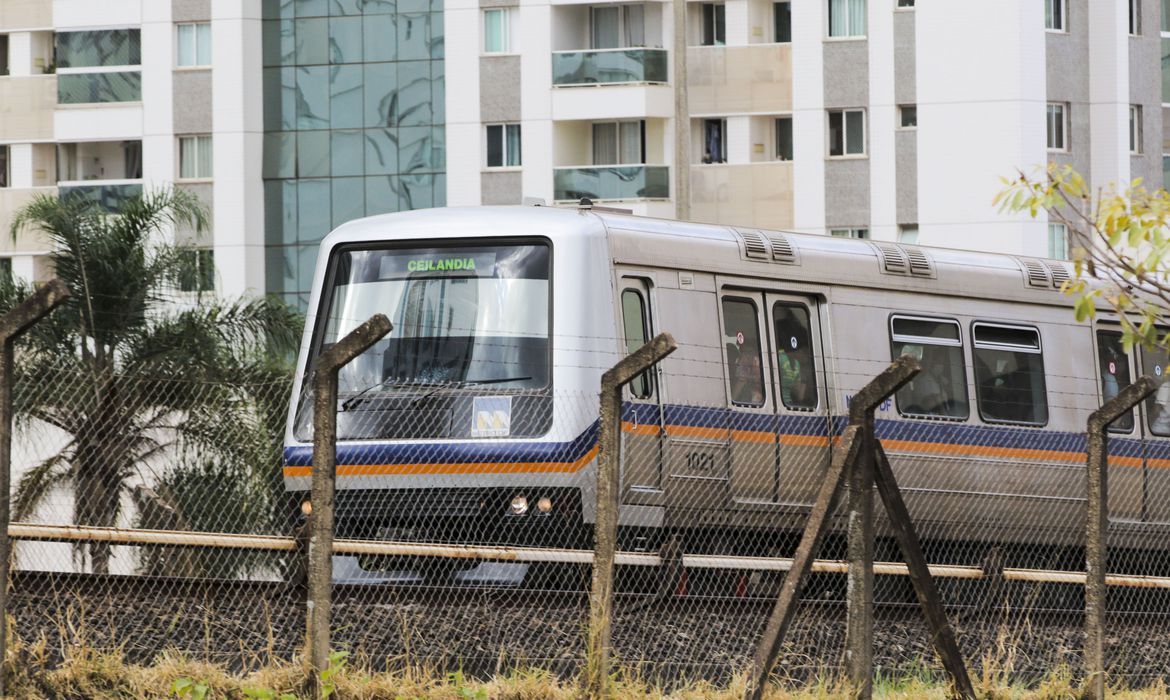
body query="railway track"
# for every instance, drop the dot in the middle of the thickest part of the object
(482, 629)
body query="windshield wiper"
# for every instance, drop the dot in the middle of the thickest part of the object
(393, 381)
(466, 383)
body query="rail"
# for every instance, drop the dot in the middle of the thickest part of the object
(532, 555)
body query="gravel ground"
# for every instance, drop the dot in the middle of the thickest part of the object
(486, 632)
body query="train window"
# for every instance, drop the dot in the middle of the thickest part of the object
(940, 389)
(794, 357)
(636, 332)
(1009, 374)
(1114, 363)
(1154, 364)
(741, 336)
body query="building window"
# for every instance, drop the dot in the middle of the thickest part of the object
(908, 116)
(783, 138)
(1165, 171)
(617, 26)
(714, 140)
(908, 233)
(503, 145)
(619, 143)
(782, 22)
(1135, 129)
(860, 233)
(1135, 17)
(846, 132)
(714, 24)
(198, 271)
(112, 47)
(5, 175)
(1055, 15)
(3, 54)
(904, 4)
(194, 157)
(1057, 127)
(194, 41)
(1166, 15)
(6, 270)
(496, 30)
(1058, 241)
(1166, 70)
(94, 88)
(846, 18)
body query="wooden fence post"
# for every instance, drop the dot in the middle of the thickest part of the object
(608, 491)
(12, 325)
(320, 549)
(1097, 526)
(852, 454)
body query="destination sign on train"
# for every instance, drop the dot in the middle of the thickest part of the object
(454, 263)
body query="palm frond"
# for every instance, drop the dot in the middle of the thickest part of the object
(38, 482)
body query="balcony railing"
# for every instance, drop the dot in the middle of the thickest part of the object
(612, 182)
(609, 67)
(109, 195)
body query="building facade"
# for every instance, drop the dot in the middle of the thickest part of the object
(887, 119)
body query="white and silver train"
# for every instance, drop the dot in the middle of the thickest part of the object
(475, 419)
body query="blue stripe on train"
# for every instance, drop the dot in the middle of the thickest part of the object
(505, 452)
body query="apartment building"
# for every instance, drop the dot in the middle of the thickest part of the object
(104, 99)
(885, 119)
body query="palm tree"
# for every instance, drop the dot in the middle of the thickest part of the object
(136, 376)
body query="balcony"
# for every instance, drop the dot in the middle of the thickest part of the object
(757, 195)
(109, 194)
(611, 182)
(26, 106)
(739, 79)
(608, 67)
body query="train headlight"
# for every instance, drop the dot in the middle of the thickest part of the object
(544, 505)
(519, 505)
(306, 507)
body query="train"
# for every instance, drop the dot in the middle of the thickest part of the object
(475, 420)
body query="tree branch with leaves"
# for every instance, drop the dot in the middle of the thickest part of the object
(1119, 244)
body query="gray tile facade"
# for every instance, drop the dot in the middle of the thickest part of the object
(192, 100)
(190, 10)
(499, 89)
(501, 188)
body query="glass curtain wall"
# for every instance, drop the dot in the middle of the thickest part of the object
(353, 119)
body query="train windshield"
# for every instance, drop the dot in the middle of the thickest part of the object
(467, 316)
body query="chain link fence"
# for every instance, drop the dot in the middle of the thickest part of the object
(999, 507)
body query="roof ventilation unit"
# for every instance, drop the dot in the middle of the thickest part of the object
(1060, 273)
(1036, 274)
(893, 259)
(782, 249)
(754, 245)
(920, 263)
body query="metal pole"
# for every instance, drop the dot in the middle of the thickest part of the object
(1097, 526)
(845, 459)
(682, 116)
(608, 491)
(12, 325)
(320, 549)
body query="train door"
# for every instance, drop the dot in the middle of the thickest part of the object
(642, 419)
(1126, 476)
(751, 419)
(1155, 426)
(802, 422)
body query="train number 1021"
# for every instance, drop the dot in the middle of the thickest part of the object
(700, 462)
